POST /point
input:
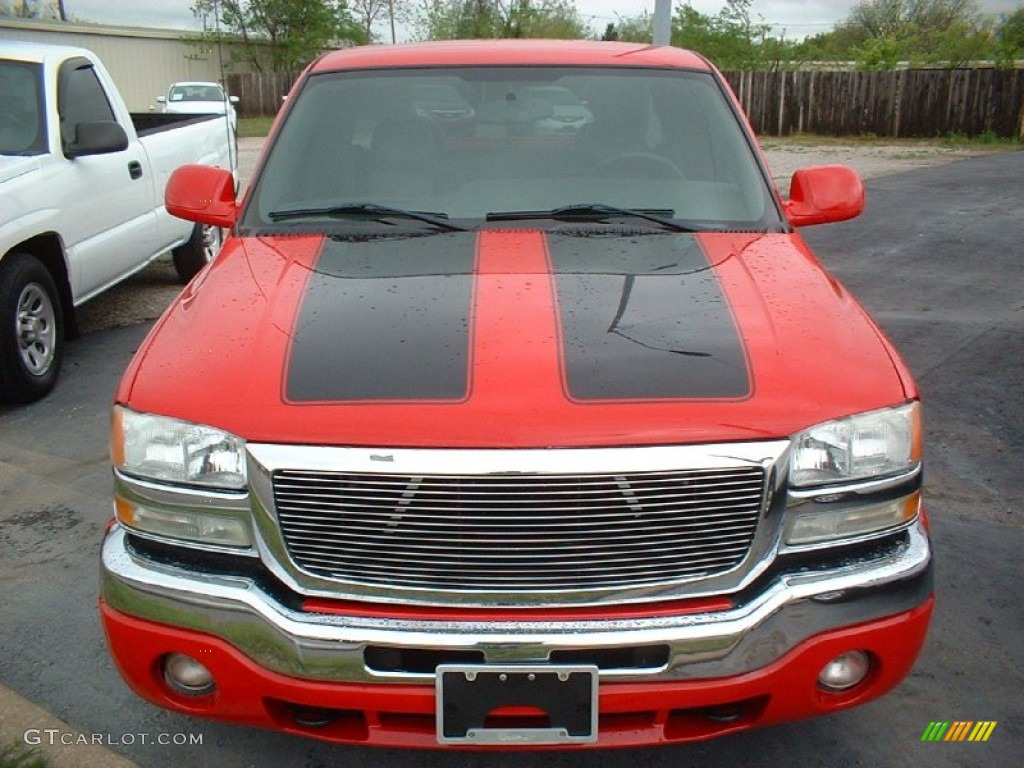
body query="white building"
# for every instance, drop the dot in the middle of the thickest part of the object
(142, 61)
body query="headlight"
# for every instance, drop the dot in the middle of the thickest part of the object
(204, 526)
(173, 451)
(854, 477)
(849, 521)
(866, 445)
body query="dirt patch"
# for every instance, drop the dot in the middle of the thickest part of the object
(46, 520)
(869, 160)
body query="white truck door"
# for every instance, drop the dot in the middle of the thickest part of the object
(111, 228)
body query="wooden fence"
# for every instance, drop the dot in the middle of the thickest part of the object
(910, 103)
(260, 93)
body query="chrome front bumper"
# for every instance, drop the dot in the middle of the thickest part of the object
(784, 608)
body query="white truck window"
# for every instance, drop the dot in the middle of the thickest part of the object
(22, 121)
(81, 99)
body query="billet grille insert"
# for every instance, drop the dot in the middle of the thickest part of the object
(519, 533)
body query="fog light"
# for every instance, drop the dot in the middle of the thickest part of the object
(187, 676)
(845, 671)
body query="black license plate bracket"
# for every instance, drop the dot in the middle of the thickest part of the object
(468, 694)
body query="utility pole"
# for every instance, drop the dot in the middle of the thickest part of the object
(220, 50)
(662, 22)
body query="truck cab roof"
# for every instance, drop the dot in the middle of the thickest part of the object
(20, 50)
(512, 53)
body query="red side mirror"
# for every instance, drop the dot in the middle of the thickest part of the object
(824, 194)
(203, 194)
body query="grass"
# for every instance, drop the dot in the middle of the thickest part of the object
(253, 127)
(19, 756)
(987, 139)
(953, 140)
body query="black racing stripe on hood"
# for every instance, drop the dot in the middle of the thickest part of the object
(385, 320)
(645, 318)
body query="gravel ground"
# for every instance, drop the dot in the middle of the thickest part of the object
(143, 297)
(869, 159)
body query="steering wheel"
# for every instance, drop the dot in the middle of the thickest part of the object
(639, 164)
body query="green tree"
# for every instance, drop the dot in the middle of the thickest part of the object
(557, 19)
(631, 29)
(948, 32)
(958, 45)
(455, 19)
(837, 44)
(878, 53)
(368, 13)
(898, 18)
(280, 35)
(732, 38)
(1009, 36)
(466, 19)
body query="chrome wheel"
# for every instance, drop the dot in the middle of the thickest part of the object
(212, 239)
(202, 248)
(36, 321)
(31, 329)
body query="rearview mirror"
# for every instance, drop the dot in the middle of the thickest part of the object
(824, 194)
(203, 194)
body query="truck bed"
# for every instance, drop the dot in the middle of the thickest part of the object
(148, 123)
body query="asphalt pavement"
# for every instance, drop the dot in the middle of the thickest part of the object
(938, 259)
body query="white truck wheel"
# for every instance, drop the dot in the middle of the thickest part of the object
(31, 329)
(202, 247)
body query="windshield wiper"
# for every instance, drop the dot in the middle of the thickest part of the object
(370, 211)
(595, 212)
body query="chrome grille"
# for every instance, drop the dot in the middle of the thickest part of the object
(516, 533)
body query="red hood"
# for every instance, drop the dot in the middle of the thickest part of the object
(519, 342)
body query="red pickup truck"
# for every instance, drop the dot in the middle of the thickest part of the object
(515, 412)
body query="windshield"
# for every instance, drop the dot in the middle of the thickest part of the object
(197, 92)
(479, 145)
(22, 123)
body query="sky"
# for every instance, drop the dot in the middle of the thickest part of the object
(793, 18)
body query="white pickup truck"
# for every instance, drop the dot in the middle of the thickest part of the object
(199, 98)
(81, 200)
